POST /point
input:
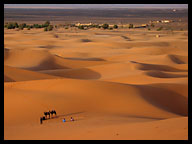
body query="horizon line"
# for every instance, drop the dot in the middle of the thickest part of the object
(95, 8)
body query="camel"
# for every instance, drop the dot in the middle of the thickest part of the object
(53, 112)
(47, 113)
(41, 119)
(50, 113)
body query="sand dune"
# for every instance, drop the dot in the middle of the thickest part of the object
(143, 66)
(164, 75)
(12, 74)
(117, 84)
(31, 60)
(118, 132)
(148, 96)
(117, 70)
(155, 102)
(94, 72)
(42, 60)
(81, 73)
(179, 59)
(151, 59)
(7, 79)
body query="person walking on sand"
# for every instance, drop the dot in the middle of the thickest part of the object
(72, 119)
(64, 120)
(41, 120)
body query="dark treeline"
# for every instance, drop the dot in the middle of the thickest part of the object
(13, 25)
(48, 27)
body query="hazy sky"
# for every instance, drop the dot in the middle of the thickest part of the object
(95, 6)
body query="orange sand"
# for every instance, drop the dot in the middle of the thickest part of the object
(115, 88)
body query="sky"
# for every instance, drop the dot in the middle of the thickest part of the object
(68, 6)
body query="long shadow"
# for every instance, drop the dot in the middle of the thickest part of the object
(145, 67)
(126, 38)
(6, 49)
(8, 79)
(86, 40)
(87, 59)
(82, 73)
(176, 60)
(69, 114)
(160, 74)
(48, 64)
(48, 46)
(137, 116)
(162, 98)
(161, 44)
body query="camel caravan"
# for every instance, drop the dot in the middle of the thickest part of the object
(46, 114)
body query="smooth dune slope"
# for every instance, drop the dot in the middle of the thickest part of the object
(12, 74)
(117, 84)
(129, 96)
(69, 96)
(42, 60)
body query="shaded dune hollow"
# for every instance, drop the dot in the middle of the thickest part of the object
(38, 60)
(146, 67)
(32, 60)
(86, 59)
(116, 84)
(154, 100)
(166, 99)
(12, 74)
(160, 74)
(179, 59)
(86, 40)
(48, 64)
(8, 79)
(81, 73)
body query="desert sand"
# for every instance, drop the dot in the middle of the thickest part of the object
(117, 84)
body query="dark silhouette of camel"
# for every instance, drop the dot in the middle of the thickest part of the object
(53, 112)
(50, 113)
(41, 119)
(47, 113)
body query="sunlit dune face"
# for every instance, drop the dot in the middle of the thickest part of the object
(116, 84)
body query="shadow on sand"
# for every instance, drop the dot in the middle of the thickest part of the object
(60, 116)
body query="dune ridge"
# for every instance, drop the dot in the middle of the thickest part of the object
(117, 84)
(12, 74)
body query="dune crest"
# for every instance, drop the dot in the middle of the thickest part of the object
(116, 84)
(12, 74)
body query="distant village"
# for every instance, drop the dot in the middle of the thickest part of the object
(130, 25)
(48, 27)
(161, 21)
